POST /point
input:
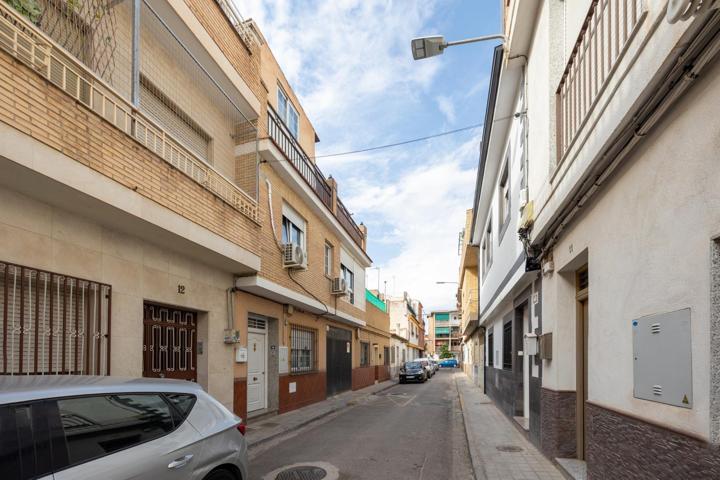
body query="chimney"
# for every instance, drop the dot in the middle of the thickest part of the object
(363, 229)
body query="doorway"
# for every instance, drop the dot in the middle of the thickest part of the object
(339, 360)
(581, 359)
(169, 342)
(519, 360)
(257, 365)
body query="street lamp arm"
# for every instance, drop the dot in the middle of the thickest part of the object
(497, 36)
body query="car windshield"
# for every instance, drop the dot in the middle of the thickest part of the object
(412, 365)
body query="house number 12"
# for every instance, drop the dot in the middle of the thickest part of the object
(181, 289)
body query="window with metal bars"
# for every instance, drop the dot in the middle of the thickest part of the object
(303, 349)
(52, 323)
(364, 354)
(386, 356)
(491, 350)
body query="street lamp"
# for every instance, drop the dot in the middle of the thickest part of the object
(426, 47)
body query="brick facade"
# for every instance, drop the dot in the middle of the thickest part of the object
(39, 109)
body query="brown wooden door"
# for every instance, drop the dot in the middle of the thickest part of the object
(169, 342)
(581, 370)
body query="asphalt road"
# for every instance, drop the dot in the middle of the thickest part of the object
(411, 431)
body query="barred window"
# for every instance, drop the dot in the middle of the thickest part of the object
(386, 356)
(303, 350)
(364, 354)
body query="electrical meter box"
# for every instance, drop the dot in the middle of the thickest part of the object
(283, 359)
(241, 354)
(662, 360)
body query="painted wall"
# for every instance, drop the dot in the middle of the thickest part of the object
(39, 235)
(647, 236)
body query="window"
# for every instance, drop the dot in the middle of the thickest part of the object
(487, 248)
(364, 354)
(100, 425)
(349, 277)
(491, 350)
(292, 233)
(504, 196)
(302, 349)
(167, 113)
(287, 113)
(328, 259)
(386, 356)
(507, 346)
(403, 356)
(182, 402)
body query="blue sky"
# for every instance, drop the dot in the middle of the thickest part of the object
(349, 61)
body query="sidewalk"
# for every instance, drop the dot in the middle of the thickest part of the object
(497, 449)
(270, 428)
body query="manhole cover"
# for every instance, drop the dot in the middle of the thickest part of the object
(509, 448)
(307, 472)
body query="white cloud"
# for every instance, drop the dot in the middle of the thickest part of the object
(350, 63)
(446, 107)
(424, 210)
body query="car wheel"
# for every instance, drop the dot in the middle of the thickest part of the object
(221, 474)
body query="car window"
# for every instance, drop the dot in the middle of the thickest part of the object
(412, 365)
(24, 446)
(183, 403)
(95, 426)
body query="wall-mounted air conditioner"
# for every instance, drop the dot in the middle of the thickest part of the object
(522, 198)
(339, 286)
(293, 256)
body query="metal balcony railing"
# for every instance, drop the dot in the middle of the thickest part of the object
(606, 32)
(27, 43)
(286, 143)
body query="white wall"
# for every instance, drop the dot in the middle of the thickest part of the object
(647, 237)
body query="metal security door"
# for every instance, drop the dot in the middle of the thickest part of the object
(169, 340)
(339, 360)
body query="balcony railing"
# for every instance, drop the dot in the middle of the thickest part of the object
(31, 46)
(606, 32)
(312, 175)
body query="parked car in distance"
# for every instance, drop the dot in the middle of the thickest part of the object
(116, 428)
(413, 371)
(435, 365)
(427, 365)
(448, 363)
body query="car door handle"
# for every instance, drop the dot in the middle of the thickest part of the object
(180, 462)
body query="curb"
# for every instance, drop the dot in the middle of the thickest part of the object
(476, 463)
(307, 421)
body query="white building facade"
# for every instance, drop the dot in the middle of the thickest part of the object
(623, 220)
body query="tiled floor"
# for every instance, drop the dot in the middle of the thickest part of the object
(498, 450)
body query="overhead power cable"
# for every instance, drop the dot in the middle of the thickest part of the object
(405, 142)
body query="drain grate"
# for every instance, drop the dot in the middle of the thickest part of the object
(307, 472)
(509, 448)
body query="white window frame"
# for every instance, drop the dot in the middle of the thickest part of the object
(329, 252)
(294, 219)
(349, 276)
(286, 112)
(487, 249)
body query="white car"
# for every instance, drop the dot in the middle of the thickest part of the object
(84, 427)
(427, 365)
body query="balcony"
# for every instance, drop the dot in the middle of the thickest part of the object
(312, 175)
(604, 37)
(63, 49)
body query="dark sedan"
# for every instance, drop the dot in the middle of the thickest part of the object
(413, 371)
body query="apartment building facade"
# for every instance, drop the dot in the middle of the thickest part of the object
(154, 168)
(446, 331)
(473, 340)
(407, 325)
(123, 223)
(620, 249)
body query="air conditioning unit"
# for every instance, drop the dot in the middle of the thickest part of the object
(293, 256)
(339, 286)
